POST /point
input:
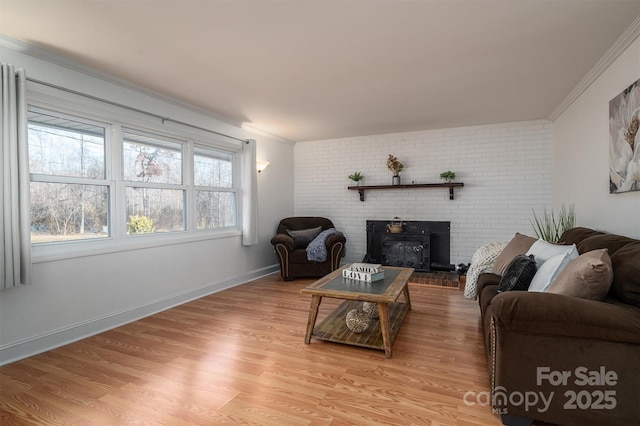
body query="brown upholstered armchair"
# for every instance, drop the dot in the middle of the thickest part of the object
(291, 240)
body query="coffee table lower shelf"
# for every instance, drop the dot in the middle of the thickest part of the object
(334, 329)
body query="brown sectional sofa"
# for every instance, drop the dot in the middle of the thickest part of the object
(566, 360)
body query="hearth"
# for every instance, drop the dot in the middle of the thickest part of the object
(423, 245)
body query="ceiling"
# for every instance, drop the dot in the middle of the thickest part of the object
(310, 70)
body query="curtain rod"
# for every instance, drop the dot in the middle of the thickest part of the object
(164, 119)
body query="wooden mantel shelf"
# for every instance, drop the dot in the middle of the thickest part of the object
(451, 185)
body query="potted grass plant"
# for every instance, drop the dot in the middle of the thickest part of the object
(549, 227)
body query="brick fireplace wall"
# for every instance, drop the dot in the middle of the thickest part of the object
(506, 170)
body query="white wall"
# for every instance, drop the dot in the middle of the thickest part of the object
(76, 297)
(505, 168)
(581, 153)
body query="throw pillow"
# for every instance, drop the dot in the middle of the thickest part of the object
(303, 237)
(548, 272)
(518, 274)
(544, 251)
(587, 277)
(519, 244)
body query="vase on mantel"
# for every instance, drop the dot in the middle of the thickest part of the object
(395, 180)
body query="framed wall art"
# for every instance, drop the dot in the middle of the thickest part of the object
(624, 139)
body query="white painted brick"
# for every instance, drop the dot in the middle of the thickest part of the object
(506, 169)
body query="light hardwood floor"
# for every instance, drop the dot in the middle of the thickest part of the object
(238, 357)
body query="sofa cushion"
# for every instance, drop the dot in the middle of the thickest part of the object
(551, 268)
(519, 244)
(626, 274)
(518, 274)
(587, 277)
(577, 234)
(303, 237)
(608, 241)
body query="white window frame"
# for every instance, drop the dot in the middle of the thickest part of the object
(105, 181)
(182, 186)
(78, 108)
(234, 189)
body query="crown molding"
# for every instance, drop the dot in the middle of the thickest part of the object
(624, 41)
(257, 130)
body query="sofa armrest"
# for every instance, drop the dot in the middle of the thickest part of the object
(486, 279)
(284, 239)
(563, 316)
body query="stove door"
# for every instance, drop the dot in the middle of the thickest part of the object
(406, 251)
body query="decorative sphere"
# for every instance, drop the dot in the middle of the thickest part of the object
(371, 309)
(357, 320)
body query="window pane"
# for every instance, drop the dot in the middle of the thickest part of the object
(215, 209)
(212, 169)
(151, 210)
(149, 159)
(61, 147)
(65, 212)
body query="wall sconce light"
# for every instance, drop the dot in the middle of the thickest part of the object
(262, 165)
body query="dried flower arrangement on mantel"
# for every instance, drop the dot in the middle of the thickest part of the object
(396, 167)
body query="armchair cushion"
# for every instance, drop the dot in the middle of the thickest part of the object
(303, 237)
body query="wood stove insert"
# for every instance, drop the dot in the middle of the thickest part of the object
(423, 245)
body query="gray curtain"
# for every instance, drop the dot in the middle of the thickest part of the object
(249, 182)
(15, 233)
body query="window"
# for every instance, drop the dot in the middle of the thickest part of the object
(69, 190)
(152, 171)
(215, 193)
(111, 181)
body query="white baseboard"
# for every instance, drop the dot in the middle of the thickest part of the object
(25, 348)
